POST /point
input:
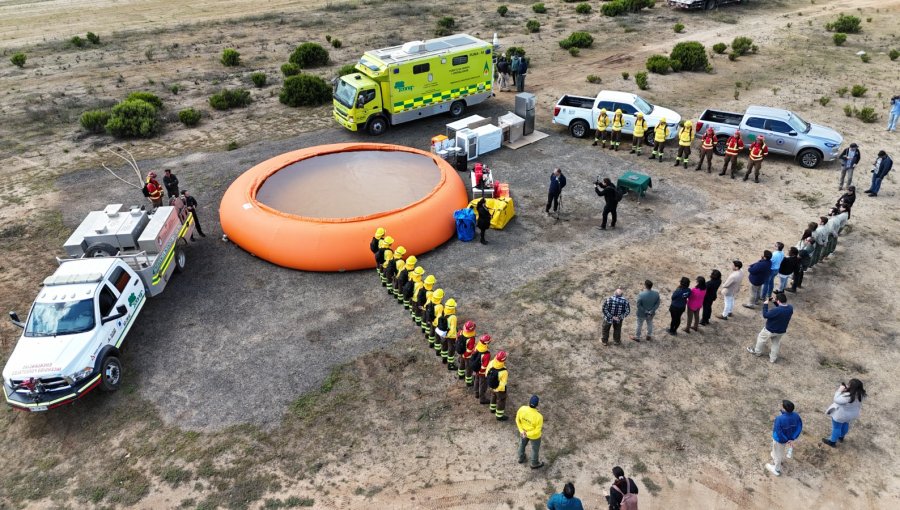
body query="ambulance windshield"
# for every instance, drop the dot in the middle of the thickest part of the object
(345, 93)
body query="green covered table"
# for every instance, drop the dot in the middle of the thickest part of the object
(635, 183)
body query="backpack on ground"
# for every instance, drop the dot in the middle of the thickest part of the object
(629, 499)
(493, 378)
(465, 224)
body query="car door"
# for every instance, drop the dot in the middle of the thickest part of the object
(628, 112)
(753, 127)
(106, 300)
(779, 137)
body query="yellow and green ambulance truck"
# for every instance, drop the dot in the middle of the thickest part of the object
(417, 79)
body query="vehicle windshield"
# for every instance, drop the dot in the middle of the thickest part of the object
(345, 94)
(800, 125)
(642, 105)
(52, 319)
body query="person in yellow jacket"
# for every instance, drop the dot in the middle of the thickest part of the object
(530, 422)
(685, 138)
(446, 329)
(660, 134)
(387, 267)
(637, 136)
(403, 277)
(432, 314)
(617, 124)
(421, 297)
(399, 267)
(497, 377)
(383, 245)
(465, 347)
(602, 124)
(379, 235)
(415, 278)
(391, 266)
(479, 363)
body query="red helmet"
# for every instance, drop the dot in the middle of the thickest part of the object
(469, 326)
(501, 356)
(485, 339)
(761, 138)
(710, 130)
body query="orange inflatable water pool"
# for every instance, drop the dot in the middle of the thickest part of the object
(317, 208)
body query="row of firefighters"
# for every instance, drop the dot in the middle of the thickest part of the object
(610, 131)
(462, 351)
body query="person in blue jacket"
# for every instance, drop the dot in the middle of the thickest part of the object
(565, 500)
(785, 431)
(777, 320)
(757, 274)
(679, 303)
(557, 183)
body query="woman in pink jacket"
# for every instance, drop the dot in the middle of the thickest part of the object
(694, 304)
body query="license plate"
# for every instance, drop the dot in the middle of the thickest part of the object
(38, 408)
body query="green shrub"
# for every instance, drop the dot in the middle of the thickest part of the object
(175, 88)
(741, 45)
(574, 51)
(133, 118)
(691, 55)
(708, 68)
(305, 90)
(867, 115)
(732, 56)
(309, 55)
(230, 98)
(258, 78)
(514, 50)
(865, 57)
(77, 41)
(502, 10)
(858, 91)
(533, 26)
(583, 8)
(441, 32)
(19, 59)
(189, 117)
(720, 48)
(336, 43)
(678, 28)
(94, 121)
(659, 64)
(230, 57)
(593, 78)
(578, 40)
(841, 92)
(893, 54)
(539, 8)
(625, 75)
(839, 38)
(641, 80)
(824, 100)
(345, 69)
(93, 38)
(149, 97)
(232, 145)
(446, 22)
(636, 5)
(612, 9)
(328, 37)
(290, 69)
(676, 64)
(848, 110)
(845, 24)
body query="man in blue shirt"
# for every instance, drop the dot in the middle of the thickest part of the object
(757, 274)
(785, 431)
(565, 500)
(777, 320)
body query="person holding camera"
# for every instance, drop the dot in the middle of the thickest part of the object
(849, 159)
(882, 167)
(607, 190)
(557, 183)
(777, 320)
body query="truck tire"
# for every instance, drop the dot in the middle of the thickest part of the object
(650, 138)
(579, 128)
(377, 126)
(180, 260)
(100, 250)
(110, 374)
(809, 158)
(719, 148)
(457, 109)
(710, 5)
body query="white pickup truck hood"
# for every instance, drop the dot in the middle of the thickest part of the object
(825, 133)
(671, 116)
(48, 356)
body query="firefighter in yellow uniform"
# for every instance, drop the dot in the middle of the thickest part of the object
(415, 279)
(479, 362)
(386, 266)
(637, 136)
(390, 267)
(707, 146)
(465, 347)
(446, 329)
(617, 124)
(602, 124)
(437, 311)
(399, 266)
(660, 134)
(379, 235)
(383, 245)
(403, 277)
(685, 138)
(497, 377)
(421, 297)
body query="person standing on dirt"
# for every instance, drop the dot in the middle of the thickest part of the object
(530, 423)
(660, 135)
(894, 114)
(695, 304)
(788, 268)
(844, 409)
(757, 274)
(731, 288)
(777, 320)
(707, 146)
(484, 217)
(807, 246)
(448, 349)
(191, 203)
(712, 292)
(503, 74)
(565, 500)
(733, 146)
(479, 363)
(465, 348)
(170, 181)
(647, 304)
(882, 167)
(432, 310)
(615, 309)
(820, 237)
(421, 297)
(617, 124)
(439, 326)
(520, 78)
(514, 68)
(758, 150)
(153, 190)
(637, 135)
(415, 280)
(685, 138)
(497, 377)
(557, 183)
(785, 430)
(600, 135)
(849, 160)
(774, 266)
(679, 302)
(607, 190)
(623, 492)
(847, 199)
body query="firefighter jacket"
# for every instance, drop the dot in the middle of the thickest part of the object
(617, 122)
(408, 289)
(379, 257)
(503, 375)
(709, 141)
(373, 245)
(661, 132)
(438, 313)
(402, 275)
(640, 126)
(390, 268)
(154, 189)
(422, 296)
(685, 136)
(530, 422)
(417, 289)
(428, 309)
(470, 344)
(482, 350)
(602, 122)
(450, 314)
(758, 150)
(733, 145)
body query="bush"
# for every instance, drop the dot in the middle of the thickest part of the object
(858, 91)
(612, 9)
(676, 64)
(578, 40)
(230, 98)
(290, 69)
(230, 57)
(175, 88)
(893, 54)
(77, 41)
(720, 48)
(824, 100)
(678, 28)
(148, 97)
(93, 38)
(94, 121)
(583, 8)
(839, 38)
(305, 90)
(19, 59)
(659, 64)
(502, 10)
(574, 51)
(845, 24)
(189, 117)
(336, 43)
(133, 118)
(865, 57)
(641, 80)
(328, 37)
(514, 50)
(593, 78)
(691, 55)
(309, 55)
(258, 78)
(867, 115)
(741, 45)
(625, 75)
(446, 22)
(848, 110)
(732, 56)
(346, 69)
(636, 5)
(533, 26)
(539, 8)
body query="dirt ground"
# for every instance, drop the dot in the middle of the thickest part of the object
(248, 385)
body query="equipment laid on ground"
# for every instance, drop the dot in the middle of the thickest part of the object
(465, 224)
(471, 122)
(467, 140)
(502, 210)
(512, 126)
(415, 80)
(525, 105)
(482, 181)
(490, 138)
(633, 181)
(72, 335)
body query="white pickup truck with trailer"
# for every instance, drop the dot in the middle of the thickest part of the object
(73, 334)
(702, 4)
(579, 113)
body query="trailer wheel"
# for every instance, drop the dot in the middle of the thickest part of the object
(809, 158)
(180, 260)
(457, 108)
(377, 126)
(110, 374)
(579, 128)
(100, 250)
(719, 147)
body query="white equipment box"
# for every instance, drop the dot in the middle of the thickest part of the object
(490, 138)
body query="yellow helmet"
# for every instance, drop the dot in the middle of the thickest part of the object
(379, 233)
(618, 111)
(399, 252)
(430, 280)
(418, 271)
(602, 111)
(437, 296)
(382, 244)
(389, 240)
(388, 254)
(411, 262)
(688, 123)
(451, 303)
(662, 120)
(639, 114)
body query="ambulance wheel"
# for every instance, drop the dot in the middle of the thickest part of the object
(110, 374)
(180, 260)
(100, 250)
(377, 126)
(457, 108)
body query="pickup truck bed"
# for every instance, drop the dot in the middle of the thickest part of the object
(732, 119)
(577, 102)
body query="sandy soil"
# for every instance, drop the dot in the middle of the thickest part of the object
(689, 418)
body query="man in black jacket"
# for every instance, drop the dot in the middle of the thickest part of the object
(191, 204)
(607, 190)
(883, 165)
(849, 159)
(170, 181)
(557, 183)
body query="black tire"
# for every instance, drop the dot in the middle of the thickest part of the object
(377, 126)
(457, 109)
(809, 158)
(101, 250)
(719, 147)
(579, 128)
(180, 260)
(710, 5)
(110, 374)
(650, 138)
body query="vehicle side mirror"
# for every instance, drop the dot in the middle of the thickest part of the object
(792, 133)
(120, 312)
(14, 317)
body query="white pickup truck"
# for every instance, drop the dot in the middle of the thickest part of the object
(71, 338)
(579, 113)
(702, 4)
